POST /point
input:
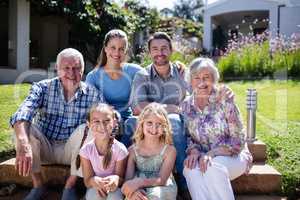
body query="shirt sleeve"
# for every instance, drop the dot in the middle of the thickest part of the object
(139, 89)
(90, 78)
(30, 105)
(84, 151)
(91, 81)
(236, 139)
(132, 69)
(122, 151)
(184, 107)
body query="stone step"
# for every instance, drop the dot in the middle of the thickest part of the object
(259, 197)
(52, 174)
(258, 150)
(262, 179)
(52, 194)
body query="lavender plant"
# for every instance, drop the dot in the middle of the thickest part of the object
(256, 57)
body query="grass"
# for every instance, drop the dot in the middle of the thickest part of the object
(10, 98)
(278, 125)
(278, 122)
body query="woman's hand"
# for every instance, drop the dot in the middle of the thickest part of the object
(139, 195)
(191, 161)
(112, 183)
(131, 186)
(204, 162)
(99, 185)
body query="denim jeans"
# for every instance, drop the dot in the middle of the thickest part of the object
(179, 140)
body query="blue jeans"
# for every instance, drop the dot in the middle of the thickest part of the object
(179, 140)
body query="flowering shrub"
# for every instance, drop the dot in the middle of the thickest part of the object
(256, 57)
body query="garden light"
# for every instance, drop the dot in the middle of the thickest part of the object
(251, 103)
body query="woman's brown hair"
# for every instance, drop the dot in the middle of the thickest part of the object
(115, 33)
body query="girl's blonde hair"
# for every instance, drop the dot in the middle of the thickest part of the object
(157, 110)
(102, 107)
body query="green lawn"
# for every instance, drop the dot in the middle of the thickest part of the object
(10, 97)
(278, 125)
(278, 122)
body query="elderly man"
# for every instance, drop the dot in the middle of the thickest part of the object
(45, 124)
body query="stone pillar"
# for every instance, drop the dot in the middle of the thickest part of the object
(19, 34)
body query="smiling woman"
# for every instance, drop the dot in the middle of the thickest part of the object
(113, 72)
(217, 152)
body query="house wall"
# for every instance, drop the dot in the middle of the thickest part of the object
(53, 36)
(237, 6)
(49, 35)
(290, 20)
(295, 2)
(18, 40)
(3, 37)
(12, 34)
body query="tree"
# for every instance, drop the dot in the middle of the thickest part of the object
(147, 17)
(189, 9)
(90, 20)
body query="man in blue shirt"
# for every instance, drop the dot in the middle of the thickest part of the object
(45, 123)
(161, 82)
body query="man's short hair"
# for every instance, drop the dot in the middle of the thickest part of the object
(70, 52)
(160, 35)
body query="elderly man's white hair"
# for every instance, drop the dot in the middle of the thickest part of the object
(70, 52)
(198, 65)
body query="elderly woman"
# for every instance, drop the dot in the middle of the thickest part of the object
(216, 150)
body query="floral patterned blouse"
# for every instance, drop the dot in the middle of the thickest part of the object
(218, 124)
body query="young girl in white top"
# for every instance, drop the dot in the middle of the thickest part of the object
(103, 159)
(151, 158)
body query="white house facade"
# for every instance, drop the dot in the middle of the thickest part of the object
(29, 42)
(255, 16)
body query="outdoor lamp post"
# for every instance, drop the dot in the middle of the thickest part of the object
(251, 103)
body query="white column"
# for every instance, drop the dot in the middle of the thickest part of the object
(19, 34)
(23, 34)
(273, 17)
(207, 37)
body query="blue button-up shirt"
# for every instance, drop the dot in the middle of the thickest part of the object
(51, 113)
(150, 87)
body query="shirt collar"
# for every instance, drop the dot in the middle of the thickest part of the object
(211, 100)
(155, 74)
(82, 89)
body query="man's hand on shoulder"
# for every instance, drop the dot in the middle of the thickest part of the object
(180, 66)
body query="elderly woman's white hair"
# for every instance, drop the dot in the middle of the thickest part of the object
(70, 52)
(198, 65)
